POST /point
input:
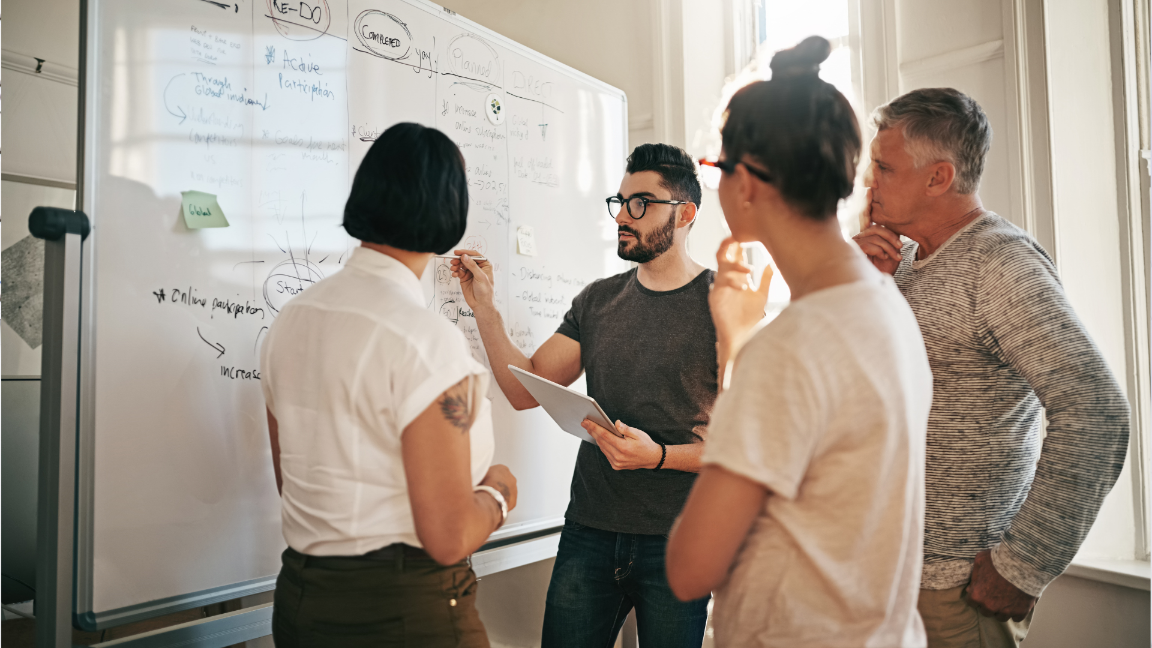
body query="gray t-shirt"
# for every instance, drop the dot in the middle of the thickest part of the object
(650, 359)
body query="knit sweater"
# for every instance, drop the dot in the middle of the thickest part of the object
(1003, 341)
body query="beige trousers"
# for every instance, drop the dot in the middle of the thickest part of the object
(952, 623)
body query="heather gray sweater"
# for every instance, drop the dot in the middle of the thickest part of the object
(1003, 341)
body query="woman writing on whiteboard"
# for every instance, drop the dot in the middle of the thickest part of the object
(381, 432)
(807, 520)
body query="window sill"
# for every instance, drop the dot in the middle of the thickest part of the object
(1125, 573)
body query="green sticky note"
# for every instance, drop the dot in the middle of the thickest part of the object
(202, 210)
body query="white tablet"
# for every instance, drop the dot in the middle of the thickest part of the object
(567, 407)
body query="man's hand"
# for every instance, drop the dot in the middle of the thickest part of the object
(635, 450)
(736, 307)
(994, 596)
(475, 279)
(881, 244)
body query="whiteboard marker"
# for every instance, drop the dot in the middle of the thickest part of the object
(475, 258)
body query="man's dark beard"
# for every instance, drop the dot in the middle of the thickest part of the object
(647, 247)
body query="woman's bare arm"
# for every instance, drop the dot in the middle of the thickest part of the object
(710, 530)
(451, 520)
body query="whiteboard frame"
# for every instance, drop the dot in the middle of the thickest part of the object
(256, 621)
(84, 617)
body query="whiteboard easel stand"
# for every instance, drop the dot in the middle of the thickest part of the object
(63, 231)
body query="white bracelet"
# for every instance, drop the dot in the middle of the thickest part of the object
(499, 500)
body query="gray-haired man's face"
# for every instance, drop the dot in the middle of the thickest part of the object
(899, 189)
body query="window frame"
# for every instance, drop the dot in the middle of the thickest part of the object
(1131, 60)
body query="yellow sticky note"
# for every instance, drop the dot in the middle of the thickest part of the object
(201, 210)
(526, 240)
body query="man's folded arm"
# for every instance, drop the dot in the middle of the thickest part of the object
(1034, 329)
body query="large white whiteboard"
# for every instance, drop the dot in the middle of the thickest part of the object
(270, 105)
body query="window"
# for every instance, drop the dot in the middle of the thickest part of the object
(781, 24)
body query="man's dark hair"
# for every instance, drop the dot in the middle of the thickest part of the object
(676, 168)
(410, 192)
(799, 129)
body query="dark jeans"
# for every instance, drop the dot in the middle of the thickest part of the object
(406, 601)
(600, 576)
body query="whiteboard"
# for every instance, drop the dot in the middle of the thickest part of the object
(270, 106)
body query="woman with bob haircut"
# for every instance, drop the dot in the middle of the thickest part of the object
(808, 517)
(381, 432)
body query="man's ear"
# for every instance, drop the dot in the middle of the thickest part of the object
(687, 215)
(943, 175)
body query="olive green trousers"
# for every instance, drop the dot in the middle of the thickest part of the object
(405, 600)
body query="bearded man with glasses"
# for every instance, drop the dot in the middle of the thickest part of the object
(646, 340)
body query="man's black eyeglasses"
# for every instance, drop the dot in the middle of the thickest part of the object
(728, 166)
(637, 205)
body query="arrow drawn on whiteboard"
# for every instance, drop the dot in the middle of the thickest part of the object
(485, 223)
(218, 347)
(182, 114)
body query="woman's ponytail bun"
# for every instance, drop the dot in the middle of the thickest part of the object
(802, 60)
(799, 129)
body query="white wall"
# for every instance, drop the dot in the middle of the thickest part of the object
(46, 29)
(961, 45)
(40, 139)
(1080, 613)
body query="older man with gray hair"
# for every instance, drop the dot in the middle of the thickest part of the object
(1007, 508)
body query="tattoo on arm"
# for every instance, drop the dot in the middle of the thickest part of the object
(456, 405)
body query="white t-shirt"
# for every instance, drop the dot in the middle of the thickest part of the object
(828, 409)
(346, 366)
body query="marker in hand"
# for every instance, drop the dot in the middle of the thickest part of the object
(475, 275)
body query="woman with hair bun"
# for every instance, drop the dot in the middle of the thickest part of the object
(808, 517)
